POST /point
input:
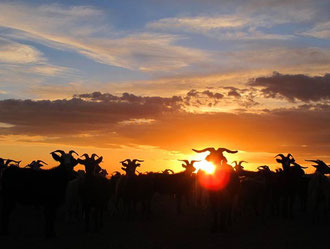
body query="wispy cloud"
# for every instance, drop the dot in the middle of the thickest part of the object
(199, 23)
(320, 30)
(27, 59)
(16, 53)
(97, 40)
(224, 27)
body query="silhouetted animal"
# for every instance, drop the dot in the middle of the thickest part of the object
(94, 191)
(222, 199)
(4, 164)
(242, 172)
(290, 179)
(216, 156)
(73, 206)
(132, 189)
(36, 165)
(181, 185)
(319, 190)
(253, 192)
(44, 188)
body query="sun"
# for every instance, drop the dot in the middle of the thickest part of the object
(206, 166)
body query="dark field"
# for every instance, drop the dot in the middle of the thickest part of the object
(166, 230)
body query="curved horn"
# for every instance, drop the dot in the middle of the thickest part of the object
(58, 151)
(137, 160)
(210, 149)
(18, 162)
(85, 155)
(229, 151)
(185, 161)
(281, 155)
(263, 167)
(126, 160)
(313, 161)
(194, 161)
(72, 151)
(8, 162)
(94, 155)
(115, 172)
(240, 162)
(168, 170)
(40, 161)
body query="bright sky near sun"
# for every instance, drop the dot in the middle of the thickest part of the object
(154, 79)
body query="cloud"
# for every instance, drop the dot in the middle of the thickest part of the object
(224, 27)
(87, 33)
(16, 53)
(198, 23)
(18, 57)
(295, 87)
(320, 30)
(106, 120)
(233, 91)
(88, 112)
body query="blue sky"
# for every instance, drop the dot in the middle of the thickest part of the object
(102, 45)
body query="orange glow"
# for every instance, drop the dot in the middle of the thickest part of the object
(216, 181)
(206, 166)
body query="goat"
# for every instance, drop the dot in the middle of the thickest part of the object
(223, 187)
(94, 191)
(5, 163)
(22, 185)
(36, 165)
(290, 178)
(252, 192)
(132, 189)
(181, 184)
(242, 172)
(319, 189)
(73, 207)
(216, 156)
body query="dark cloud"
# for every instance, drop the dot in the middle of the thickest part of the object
(84, 113)
(98, 119)
(294, 87)
(206, 93)
(234, 92)
(131, 98)
(202, 98)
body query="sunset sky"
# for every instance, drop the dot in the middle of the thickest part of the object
(154, 79)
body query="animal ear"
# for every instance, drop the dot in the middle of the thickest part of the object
(279, 160)
(56, 157)
(125, 169)
(138, 165)
(184, 166)
(99, 160)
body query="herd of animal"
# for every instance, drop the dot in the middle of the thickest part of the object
(87, 194)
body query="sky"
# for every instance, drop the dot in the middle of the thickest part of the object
(154, 79)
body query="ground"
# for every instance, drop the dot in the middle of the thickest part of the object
(166, 230)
